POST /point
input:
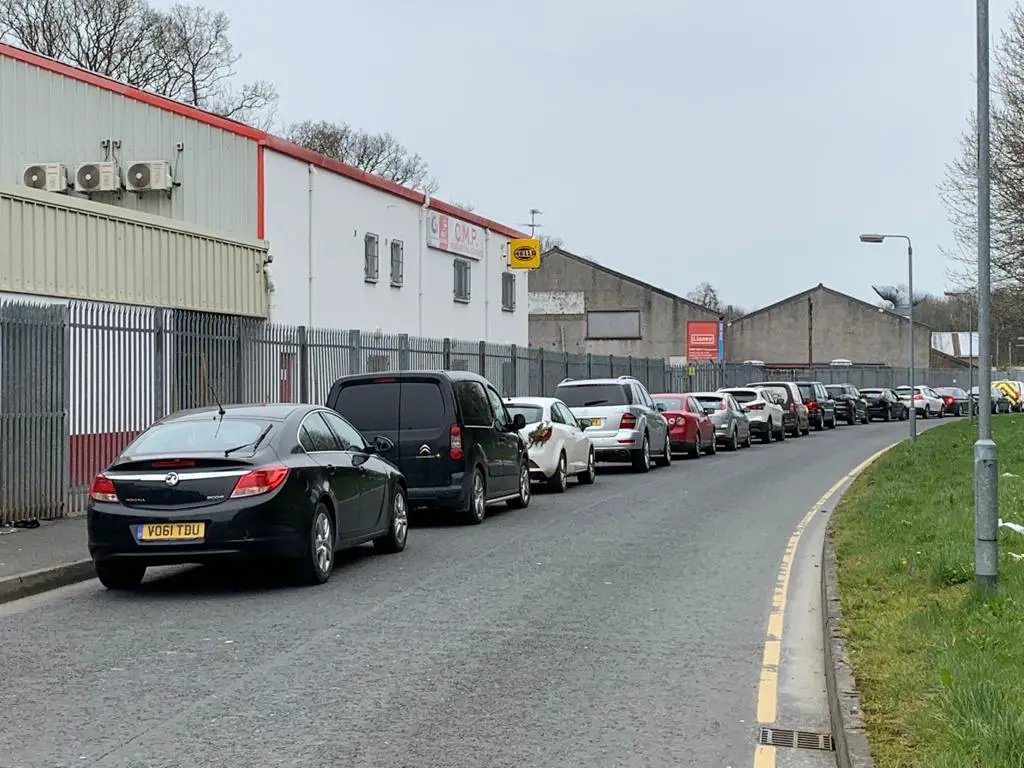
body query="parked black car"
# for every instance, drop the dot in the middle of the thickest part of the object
(850, 405)
(956, 400)
(821, 407)
(451, 435)
(290, 481)
(885, 404)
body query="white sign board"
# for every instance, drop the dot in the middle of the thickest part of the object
(447, 233)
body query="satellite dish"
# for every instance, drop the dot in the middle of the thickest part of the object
(899, 298)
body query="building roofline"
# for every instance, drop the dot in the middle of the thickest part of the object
(628, 278)
(826, 289)
(263, 138)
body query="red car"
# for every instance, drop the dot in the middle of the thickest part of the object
(690, 431)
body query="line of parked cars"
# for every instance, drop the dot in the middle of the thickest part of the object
(298, 482)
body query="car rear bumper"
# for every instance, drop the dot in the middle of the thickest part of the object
(112, 535)
(617, 447)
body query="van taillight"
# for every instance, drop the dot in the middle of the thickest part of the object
(455, 439)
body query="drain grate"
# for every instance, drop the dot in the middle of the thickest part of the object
(784, 737)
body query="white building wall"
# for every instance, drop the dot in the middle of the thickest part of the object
(319, 281)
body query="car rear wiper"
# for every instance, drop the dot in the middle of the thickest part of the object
(590, 403)
(254, 443)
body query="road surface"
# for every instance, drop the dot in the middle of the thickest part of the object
(614, 625)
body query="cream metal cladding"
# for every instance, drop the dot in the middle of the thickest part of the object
(47, 117)
(54, 245)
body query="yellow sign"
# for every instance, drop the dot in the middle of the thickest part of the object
(524, 254)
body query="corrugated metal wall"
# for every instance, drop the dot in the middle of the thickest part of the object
(53, 245)
(46, 117)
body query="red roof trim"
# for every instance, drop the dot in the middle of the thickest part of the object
(240, 129)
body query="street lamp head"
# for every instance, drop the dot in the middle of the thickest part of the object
(872, 238)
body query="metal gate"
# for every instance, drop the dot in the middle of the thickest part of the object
(33, 411)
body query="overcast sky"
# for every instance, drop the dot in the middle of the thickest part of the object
(741, 142)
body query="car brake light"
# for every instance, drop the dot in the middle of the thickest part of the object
(259, 481)
(102, 489)
(792, 407)
(723, 406)
(755, 407)
(628, 421)
(919, 396)
(949, 399)
(543, 436)
(455, 443)
(812, 406)
(672, 421)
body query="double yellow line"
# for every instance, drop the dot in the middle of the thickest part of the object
(768, 684)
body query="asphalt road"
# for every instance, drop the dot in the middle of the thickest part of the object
(615, 625)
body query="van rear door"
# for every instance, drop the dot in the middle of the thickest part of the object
(426, 415)
(371, 406)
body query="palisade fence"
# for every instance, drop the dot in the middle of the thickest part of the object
(78, 381)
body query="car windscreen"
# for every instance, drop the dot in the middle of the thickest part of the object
(532, 413)
(743, 395)
(593, 395)
(183, 437)
(670, 403)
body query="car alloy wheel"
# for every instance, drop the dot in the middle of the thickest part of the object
(522, 500)
(559, 481)
(477, 499)
(590, 474)
(398, 531)
(323, 541)
(668, 451)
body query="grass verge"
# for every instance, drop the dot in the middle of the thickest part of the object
(939, 669)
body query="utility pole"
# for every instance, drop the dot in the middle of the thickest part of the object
(986, 468)
(533, 225)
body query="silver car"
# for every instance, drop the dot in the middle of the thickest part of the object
(732, 425)
(620, 419)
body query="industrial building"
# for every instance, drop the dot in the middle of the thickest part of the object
(820, 325)
(579, 306)
(343, 248)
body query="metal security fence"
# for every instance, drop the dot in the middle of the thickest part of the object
(78, 381)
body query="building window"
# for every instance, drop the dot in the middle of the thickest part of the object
(508, 291)
(462, 280)
(397, 262)
(371, 265)
(613, 324)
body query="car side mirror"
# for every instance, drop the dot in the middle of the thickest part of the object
(380, 444)
(518, 422)
(582, 426)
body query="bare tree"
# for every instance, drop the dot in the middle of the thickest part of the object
(547, 242)
(379, 154)
(706, 295)
(183, 53)
(464, 206)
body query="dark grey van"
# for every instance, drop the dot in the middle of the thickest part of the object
(454, 441)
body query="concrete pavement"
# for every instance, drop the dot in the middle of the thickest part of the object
(618, 624)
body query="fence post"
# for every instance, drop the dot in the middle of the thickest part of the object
(629, 364)
(240, 361)
(483, 358)
(647, 374)
(514, 372)
(565, 365)
(446, 354)
(540, 370)
(403, 352)
(611, 366)
(303, 366)
(355, 351)
(159, 366)
(590, 366)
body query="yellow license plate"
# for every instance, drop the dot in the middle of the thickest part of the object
(171, 532)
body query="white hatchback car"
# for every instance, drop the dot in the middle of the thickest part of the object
(555, 441)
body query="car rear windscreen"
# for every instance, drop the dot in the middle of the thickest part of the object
(594, 395)
(744, 395)
(532, 413)
(806, 391)
(670, 403)
(835, 389)
(184, 437)
(709, 401)
(782, 392)
(374, 406)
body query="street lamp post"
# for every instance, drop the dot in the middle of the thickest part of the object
(986, 469)
(910, 290)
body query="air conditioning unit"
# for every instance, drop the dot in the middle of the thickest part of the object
(146, 175)
(97, 177)
(48, 177)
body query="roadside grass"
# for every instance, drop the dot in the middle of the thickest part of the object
(939, 669)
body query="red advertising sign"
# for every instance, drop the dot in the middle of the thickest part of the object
(702, 339)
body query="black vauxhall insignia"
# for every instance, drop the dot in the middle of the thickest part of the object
(290, 481)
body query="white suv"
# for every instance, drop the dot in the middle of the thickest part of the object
(763, 411)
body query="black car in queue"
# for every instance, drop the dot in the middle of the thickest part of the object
(957, 401)
(821, 408)
(850, 405)
(452, 437)
(295, 482)
(885, 404)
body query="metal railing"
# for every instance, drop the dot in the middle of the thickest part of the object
(78, 381)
